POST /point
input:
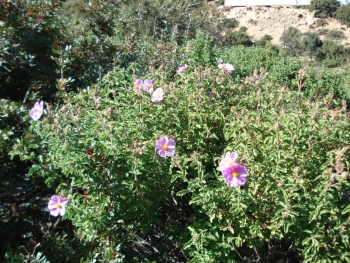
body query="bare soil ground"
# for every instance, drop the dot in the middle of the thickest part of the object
(274, 20)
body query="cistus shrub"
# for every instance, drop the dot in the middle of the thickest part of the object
(143, 174)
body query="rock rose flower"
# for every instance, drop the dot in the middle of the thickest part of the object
(181, 69)
(235, 175)
(229, 160)
(57, 205)
(148, 85)
(157, 95)
(228, 68)
(138, 85)
(165, 146)
(37, 110)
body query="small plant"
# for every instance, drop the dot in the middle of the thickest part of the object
(335, 35)
(228, 23)
(321, 22)
(252, 21)
(243, 29)
(322, 31)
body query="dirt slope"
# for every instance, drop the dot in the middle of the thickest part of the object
(274, 20)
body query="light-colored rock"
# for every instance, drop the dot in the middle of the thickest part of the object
(310, 22)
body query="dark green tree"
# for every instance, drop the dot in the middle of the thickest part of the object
(237, 38)
(324, 8)
(264, 40)
(312, 44)
(291, 40)
(343, 14)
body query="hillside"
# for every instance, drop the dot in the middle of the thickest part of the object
(274, 20)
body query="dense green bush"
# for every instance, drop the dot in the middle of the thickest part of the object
(334, 54)
(28, 33)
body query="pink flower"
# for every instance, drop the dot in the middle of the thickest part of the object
(229, 160)
(138, 85)
(228, 68)
(157, 95)
(57, 205)
(37, 110)
(148, 85)
(181, 69)
(235, 175)
(165, 146)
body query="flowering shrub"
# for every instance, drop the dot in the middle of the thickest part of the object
(101, 148)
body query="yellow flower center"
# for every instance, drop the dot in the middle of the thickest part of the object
(230, 163)
(235, 174)
(165, 147)
(58, 206)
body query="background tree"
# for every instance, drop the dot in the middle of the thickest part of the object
(291, 40)
(343, 14)
(264, 40)
(237, 38)
(312, 44)
(324, 8)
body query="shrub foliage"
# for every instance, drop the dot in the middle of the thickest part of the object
(122, 193)
(95, 142)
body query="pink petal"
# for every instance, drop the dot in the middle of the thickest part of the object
(54, 212)
(62, 210)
